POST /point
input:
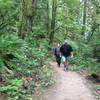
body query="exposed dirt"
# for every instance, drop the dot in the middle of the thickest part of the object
(69, 86)
(3, 96)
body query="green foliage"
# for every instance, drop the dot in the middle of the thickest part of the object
(1, 63)
(26, 55)
(14, 85)
(46, 73)
(9, 43)
(8, 88)
(5, 5)
(16, 82)
(27, 59)
(84, 60)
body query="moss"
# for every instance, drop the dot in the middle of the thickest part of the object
(28, 7)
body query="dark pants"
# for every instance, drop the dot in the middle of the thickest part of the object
(58, 60)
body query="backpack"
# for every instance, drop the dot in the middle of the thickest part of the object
(57, 51)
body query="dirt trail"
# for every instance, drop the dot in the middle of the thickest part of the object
(70, 86)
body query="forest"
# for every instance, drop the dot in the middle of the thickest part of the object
(29, 30)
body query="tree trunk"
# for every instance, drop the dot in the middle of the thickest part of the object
(47, 17)
(53, 21)
(79, 12)
(29, 23)
(94, 27)
(84, 17)
(28, 11)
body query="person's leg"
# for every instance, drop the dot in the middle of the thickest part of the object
(67, 61)
(64, 62)
(58, 60)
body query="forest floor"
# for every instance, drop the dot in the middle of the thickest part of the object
(69, 86)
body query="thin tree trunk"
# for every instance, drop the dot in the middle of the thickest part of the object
(79, 12)
(84, 17)
(94, 27)
(53, 21)
(47, 17)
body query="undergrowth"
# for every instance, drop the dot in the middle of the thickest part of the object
(24, 67)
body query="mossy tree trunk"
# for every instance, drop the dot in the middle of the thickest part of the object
(28, 11)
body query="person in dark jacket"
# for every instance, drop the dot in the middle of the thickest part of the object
(57, 54)
(66, 52)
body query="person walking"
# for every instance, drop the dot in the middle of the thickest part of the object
(57, 54)
(66, 52)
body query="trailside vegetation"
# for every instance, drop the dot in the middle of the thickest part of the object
(28, 31)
